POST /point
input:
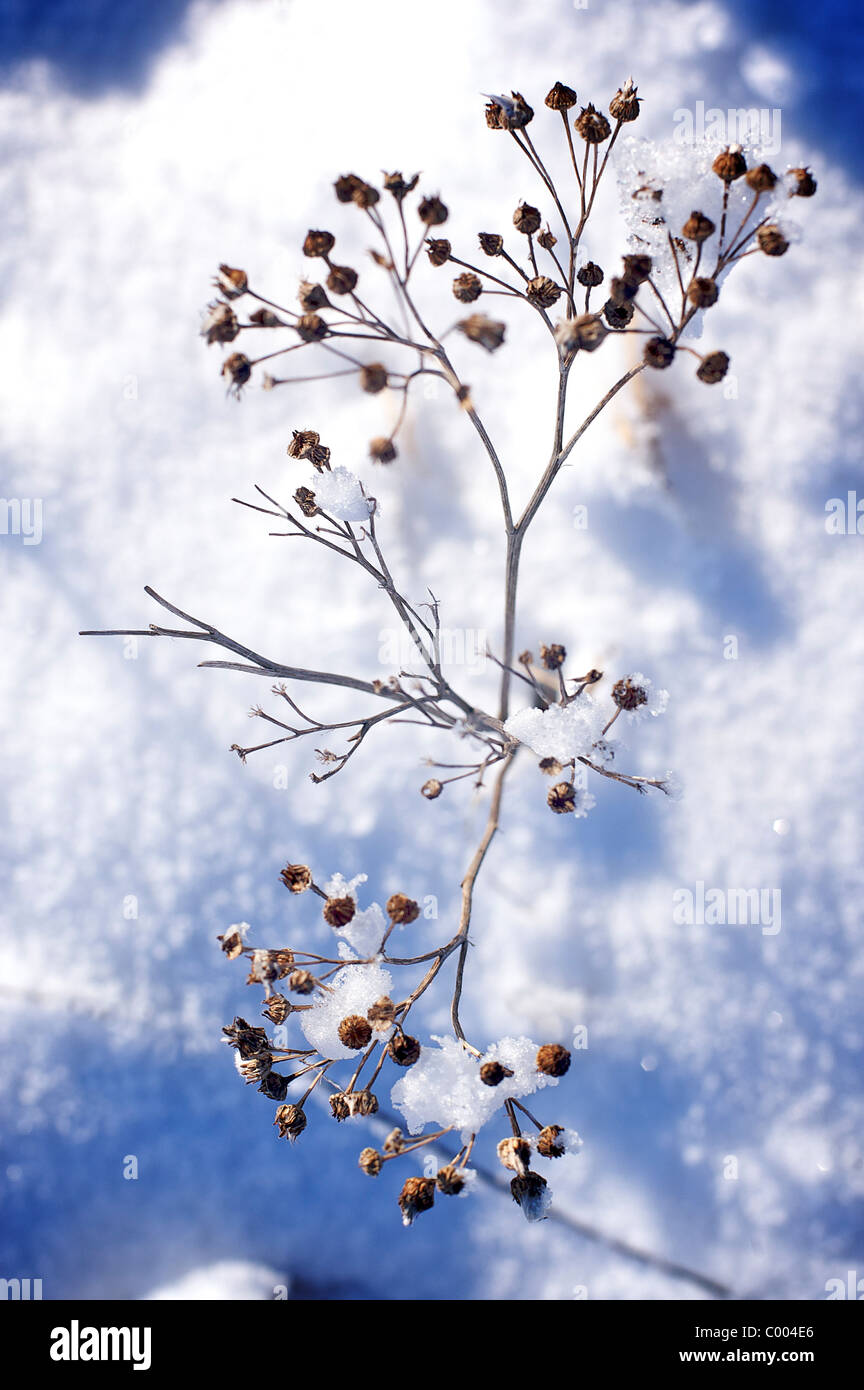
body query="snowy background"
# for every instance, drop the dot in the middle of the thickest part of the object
(141, 146)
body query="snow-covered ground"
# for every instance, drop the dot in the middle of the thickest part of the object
(719, 1096)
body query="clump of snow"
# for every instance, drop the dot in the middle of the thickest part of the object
(656, 701)
(339, 493)
(365, 932)
(562, 731)
(444, 1088)
(353, 991)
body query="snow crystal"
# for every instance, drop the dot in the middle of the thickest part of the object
(339, 493)
(444, 1088)
(562, 731)
(354, 990)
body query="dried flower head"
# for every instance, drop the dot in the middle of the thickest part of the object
(432, 211)
(382, 1013)
(592, 125)
(382, 449)
(340, 1105)
(232, 942)
(702, 292)
(311, 327)
(561, 98)
(467, 287)
(586, 332)
(417, 1195)
(659, 352)
(402, 909)
(804, 184)
(546, 239)
(553, 1059)
(290, 1121)
(508, 113)
(637, 268)
(403, 1049)
(514, 1153)
(373, 378)
(318, 243)
(400, 187)
(342, 279)
(531, 1193)
(698, 227)
(297, 877)
(713, 367)
(730, 164)
(628, 695)
(438, 250)
(338, 912)
(219, 324)
(301, 982)
(618, 316)
(553, 656)
(277, 1008)
(493, 1073)
(772, 241)
(491, 244)
(370, 1161)
(761, 178)
(312, 296)
(542, 291)
(355, 1032)
(590, 275)
(450, 1180)
(239, 369)
(624, 106)
(549, 1143)
(489, 333)
(561, 798)
(431, 789)
(231, 282)
(527, 219)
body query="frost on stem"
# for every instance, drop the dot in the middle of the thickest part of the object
(344, 1016)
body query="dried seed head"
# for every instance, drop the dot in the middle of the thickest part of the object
(530, 1192)
(311, 327)
(238, 367)
(561, 98)
(624, 106)
(417, 1195)
(527, 219)
(508, 113)
(805, 184)
(312, 296)
(305, 444)
(432, 211)
(355, 1032)
(730, 164)
(618, 315)
(350, 188)
(297, 877)
(659, 352)
(550, 767)
(274, 1086)
(231, 282)
(514, 1153)
(438, 250)
(589, 275)
(553, 1059)
(301, 982)
(395, 1142)
(489, 333)
(548, 1143)
(232, 943)
(338, 912)
(318, 243)
(698, 227)
(247, 1040)
(364, 1103)
(586, 332)
(622, 290)
(277, 1008)
(370, 1161)
(467, 287)
(290, 1121)
(542, 291)
(554, 656)
(255, 1067)
(702, 292)
(546, 239)
(561, 798)
(403, 1049)
(493, 1073)
(402, 909)
(382, 449)
(373, 378)
(713, 367)
(382, 1013)
(761, 178)
(431, 789)
(342, 279)
(592, 125)
(627, 695)
(305, 499)
(450, 1180)
(772, 241)
(340, 1105)
(399, 186)
(265, 318)
(491, 243)
(284, 961)
(637, 268)
(219, 324)
(262, 968)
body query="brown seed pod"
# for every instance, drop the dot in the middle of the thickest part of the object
(542, 292)
(467, 287)
(318, 243)
(338, 912)
(402, 909)
(702, 292)
(590, 275)
(772, 241)
(698, 227)
(713, 367)
(382, 449)
(417, 1195)
(370, 1161)
(561, 98)
(342, 279)
(527, 219)
(438, 250)
(553, 1059)
(491, 244)
(296, 877)
(761, 178)
(373, 378)
(355, 1032)
(730, 164)
(561, 798)
(805, 184)
(432, 211)
(592, 125)
(659, 352)
(403, 1049)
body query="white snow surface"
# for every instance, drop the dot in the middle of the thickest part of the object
(718, 1085)
(444, 1087)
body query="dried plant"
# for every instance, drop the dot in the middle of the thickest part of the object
(353, 1018)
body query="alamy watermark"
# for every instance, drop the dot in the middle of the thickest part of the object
(736, 126)
(22, 516)
(734, 907)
